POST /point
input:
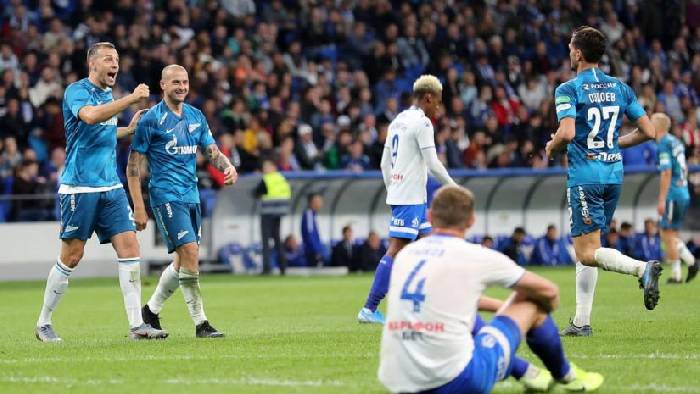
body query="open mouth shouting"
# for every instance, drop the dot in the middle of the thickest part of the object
(111, 77)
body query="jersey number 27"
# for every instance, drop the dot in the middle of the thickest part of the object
(610, 112)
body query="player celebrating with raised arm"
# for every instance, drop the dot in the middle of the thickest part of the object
(590, 108)
(92, 197)
(168, 135)
(436, 284)
(409, 152)
(674, 198)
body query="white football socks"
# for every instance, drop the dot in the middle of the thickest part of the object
(586, 279)
(167, 285)
(189, 283)
(686, 256)
(56, 286)
(612, 260)
(676, 273)
(130, 283)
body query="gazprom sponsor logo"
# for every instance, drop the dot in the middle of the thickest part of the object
(172, 148)
(606, 157)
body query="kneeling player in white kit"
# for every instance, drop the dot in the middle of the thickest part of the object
(434, 291)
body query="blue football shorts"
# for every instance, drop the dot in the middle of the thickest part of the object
(104, 213)
(591, 207)
(179, 223)
(494, 347)
(409, 221)
(675, 214)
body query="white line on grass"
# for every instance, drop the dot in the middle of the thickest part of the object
(648, 356)
(242, 381)
(33, 360)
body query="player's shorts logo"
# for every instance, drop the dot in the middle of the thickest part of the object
(584, 206)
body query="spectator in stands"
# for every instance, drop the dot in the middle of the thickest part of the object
(487, 242)
(648, 243)
(293, 252)
(275, 195)
(626, 241)
(308, 154)
(28, 183)
(311, 239)
(611, 239)
(513, 246)
(10, 157)
(371, 252)
(355, 160)
(344, 253)
(550, 249)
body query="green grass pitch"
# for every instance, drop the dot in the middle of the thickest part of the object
(299, 335)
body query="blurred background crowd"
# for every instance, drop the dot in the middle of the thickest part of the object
(313, 84)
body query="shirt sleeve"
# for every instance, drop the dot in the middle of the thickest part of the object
(425, 134)
(206, 138)
(501, 271)
(77, 96)
(634, 110)
(142, 136)
(664, 156)
(565, 101)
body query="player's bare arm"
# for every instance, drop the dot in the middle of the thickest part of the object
(564, 135)
(133, 175)
(93, 114)
(489, 304)
(664, 186)
(222, 163)
(644, 132)
(131, 128)
(538, 290)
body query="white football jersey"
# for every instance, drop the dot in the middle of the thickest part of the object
(409, 133)
(435, 286)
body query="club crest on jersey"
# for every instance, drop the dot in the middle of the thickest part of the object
(415, 222)
(193, 127)
(172, 148)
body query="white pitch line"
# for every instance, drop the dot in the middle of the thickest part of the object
(33, 360)
(648, 356)
(242, 381)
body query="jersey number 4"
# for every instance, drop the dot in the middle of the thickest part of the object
(610, 112)
(417, 297)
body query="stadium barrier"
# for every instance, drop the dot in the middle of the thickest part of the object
(505, 198)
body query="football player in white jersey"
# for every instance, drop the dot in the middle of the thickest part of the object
(409, 153)
(436, 286)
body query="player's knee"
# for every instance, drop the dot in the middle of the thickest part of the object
(587, 258)
(188, 254)
(71, 258)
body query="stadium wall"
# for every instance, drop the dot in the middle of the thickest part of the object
(505, 199)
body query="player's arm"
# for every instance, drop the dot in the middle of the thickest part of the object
(131, 128)
(426, 143)
(133, 176)
(665, 156)
(538, 290)
(93, 114)
(385, 166)
(222, 163)
(564, 135)
(644, 132)
(489, 304)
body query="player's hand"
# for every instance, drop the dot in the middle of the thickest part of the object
(661, 208)
(548, 149)
(141, 92)
(140, 219)
(230, 175)
(135, 120)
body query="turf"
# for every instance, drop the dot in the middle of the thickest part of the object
(299, 335)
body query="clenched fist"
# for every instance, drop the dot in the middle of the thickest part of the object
(141, 92)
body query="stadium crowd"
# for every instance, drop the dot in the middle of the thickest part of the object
(314, 84)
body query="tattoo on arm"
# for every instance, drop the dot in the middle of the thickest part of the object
(133, 167)
(216, 158)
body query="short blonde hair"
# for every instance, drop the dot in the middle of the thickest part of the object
(452, 206)
(661, 122)
(426, 84)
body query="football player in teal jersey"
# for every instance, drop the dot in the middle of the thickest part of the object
(92, 197)
(590, 108)
(674, 198)
(169, 135)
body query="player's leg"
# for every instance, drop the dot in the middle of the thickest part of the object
(406, 224)
(77, 224)
(542, 338)
(281, 261)
(115, 225)
(669, 237)
(169, 278)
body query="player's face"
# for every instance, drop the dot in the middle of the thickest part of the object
(573, 55)
(176, 85)
(105, 65)
(434, 101)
